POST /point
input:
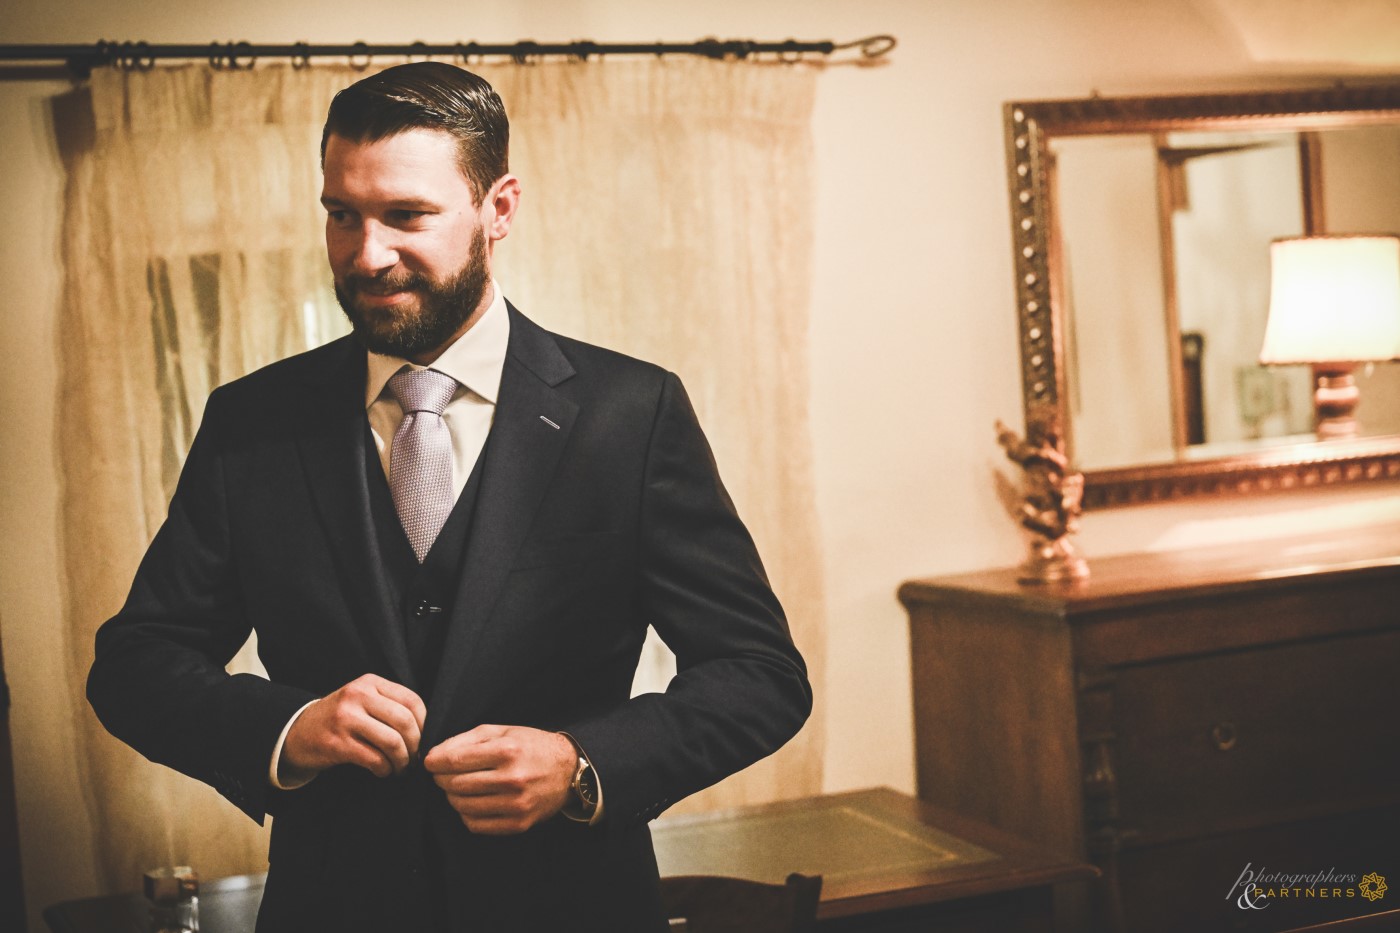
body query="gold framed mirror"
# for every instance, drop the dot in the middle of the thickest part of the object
(1141, 228)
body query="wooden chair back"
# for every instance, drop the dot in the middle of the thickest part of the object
(712, 904)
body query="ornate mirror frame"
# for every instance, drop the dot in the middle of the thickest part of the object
(1030, 125)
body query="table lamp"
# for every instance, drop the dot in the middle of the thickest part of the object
(1334, 302)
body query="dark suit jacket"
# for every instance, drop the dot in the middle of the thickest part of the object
(584, 534)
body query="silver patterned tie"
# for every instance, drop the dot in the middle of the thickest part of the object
(420, 460)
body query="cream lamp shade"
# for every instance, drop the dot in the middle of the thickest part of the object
(1333, 299)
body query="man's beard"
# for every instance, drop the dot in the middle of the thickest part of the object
(443, 306)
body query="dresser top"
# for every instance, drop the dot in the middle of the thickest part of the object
(1129, 579)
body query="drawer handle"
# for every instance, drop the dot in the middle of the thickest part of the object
(1225, 736)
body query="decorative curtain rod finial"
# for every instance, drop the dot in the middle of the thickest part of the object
(871, 47)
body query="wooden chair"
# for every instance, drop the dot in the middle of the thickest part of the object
(712, 904)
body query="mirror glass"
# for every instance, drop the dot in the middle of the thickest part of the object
(1165, 284)
(1142, 230)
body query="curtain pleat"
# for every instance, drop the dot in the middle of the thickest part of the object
(667, 214)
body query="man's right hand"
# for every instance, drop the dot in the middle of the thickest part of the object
(370, 722)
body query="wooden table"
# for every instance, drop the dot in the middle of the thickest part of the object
(889, 862)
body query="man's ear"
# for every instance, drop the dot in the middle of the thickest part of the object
(503, 200)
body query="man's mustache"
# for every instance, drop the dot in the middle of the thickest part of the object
(385, 284)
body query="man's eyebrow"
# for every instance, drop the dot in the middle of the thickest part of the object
(399, 204)
(414, 204)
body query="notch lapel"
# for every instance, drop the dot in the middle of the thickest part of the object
(331, 441)
(520, 460)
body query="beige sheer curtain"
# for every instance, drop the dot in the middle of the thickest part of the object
(667, 214)
(190, 245)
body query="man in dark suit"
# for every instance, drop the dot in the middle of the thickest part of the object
(450, 532)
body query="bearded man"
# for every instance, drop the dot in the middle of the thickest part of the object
(450, 532)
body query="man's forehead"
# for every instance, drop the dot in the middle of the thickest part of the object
(418, 140)
(414, 158)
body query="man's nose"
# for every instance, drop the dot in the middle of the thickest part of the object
(376, 250)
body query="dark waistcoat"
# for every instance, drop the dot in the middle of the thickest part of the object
(422, 593)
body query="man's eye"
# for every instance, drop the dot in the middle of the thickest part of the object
(406, 217)
(339, 218)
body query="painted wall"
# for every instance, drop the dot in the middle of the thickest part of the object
(913, 330)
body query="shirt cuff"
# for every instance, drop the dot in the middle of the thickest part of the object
(290, 779)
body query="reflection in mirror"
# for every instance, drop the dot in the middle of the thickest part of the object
(1163, 288)
(1141, 229)
(1242, 191)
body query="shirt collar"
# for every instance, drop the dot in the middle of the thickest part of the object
(474, 359)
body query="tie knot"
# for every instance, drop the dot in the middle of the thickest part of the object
(422, 390)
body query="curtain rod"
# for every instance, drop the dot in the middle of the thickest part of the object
(81, 59)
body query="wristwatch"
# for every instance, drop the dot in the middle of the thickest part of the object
(582, 803)
(584, 788)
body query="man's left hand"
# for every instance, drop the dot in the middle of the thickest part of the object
(504, 779)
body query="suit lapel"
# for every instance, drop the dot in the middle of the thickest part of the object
(331, 440)
(528, 434)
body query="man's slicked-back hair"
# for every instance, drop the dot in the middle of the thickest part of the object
(428, 95)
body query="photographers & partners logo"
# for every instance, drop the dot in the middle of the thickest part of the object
(1257, 890)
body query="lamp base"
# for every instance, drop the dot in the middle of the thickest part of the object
(1335, 398)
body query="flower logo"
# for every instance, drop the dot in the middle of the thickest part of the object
(1373, 887)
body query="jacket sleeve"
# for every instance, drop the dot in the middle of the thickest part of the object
(741, 687)
(158, 681)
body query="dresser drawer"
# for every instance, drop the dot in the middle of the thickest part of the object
(1255, 737)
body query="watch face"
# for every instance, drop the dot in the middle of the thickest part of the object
(585, 784)
(588, 787)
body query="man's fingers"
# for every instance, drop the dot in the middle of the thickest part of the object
(388, 742)
(398, 717)
(404, 697)
(366, 756)
(390, 704)
(503, 779)
(370, 722)
(477, 783)
(377, 722)
(473, 750)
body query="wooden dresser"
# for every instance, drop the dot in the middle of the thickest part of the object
(1174, 719)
